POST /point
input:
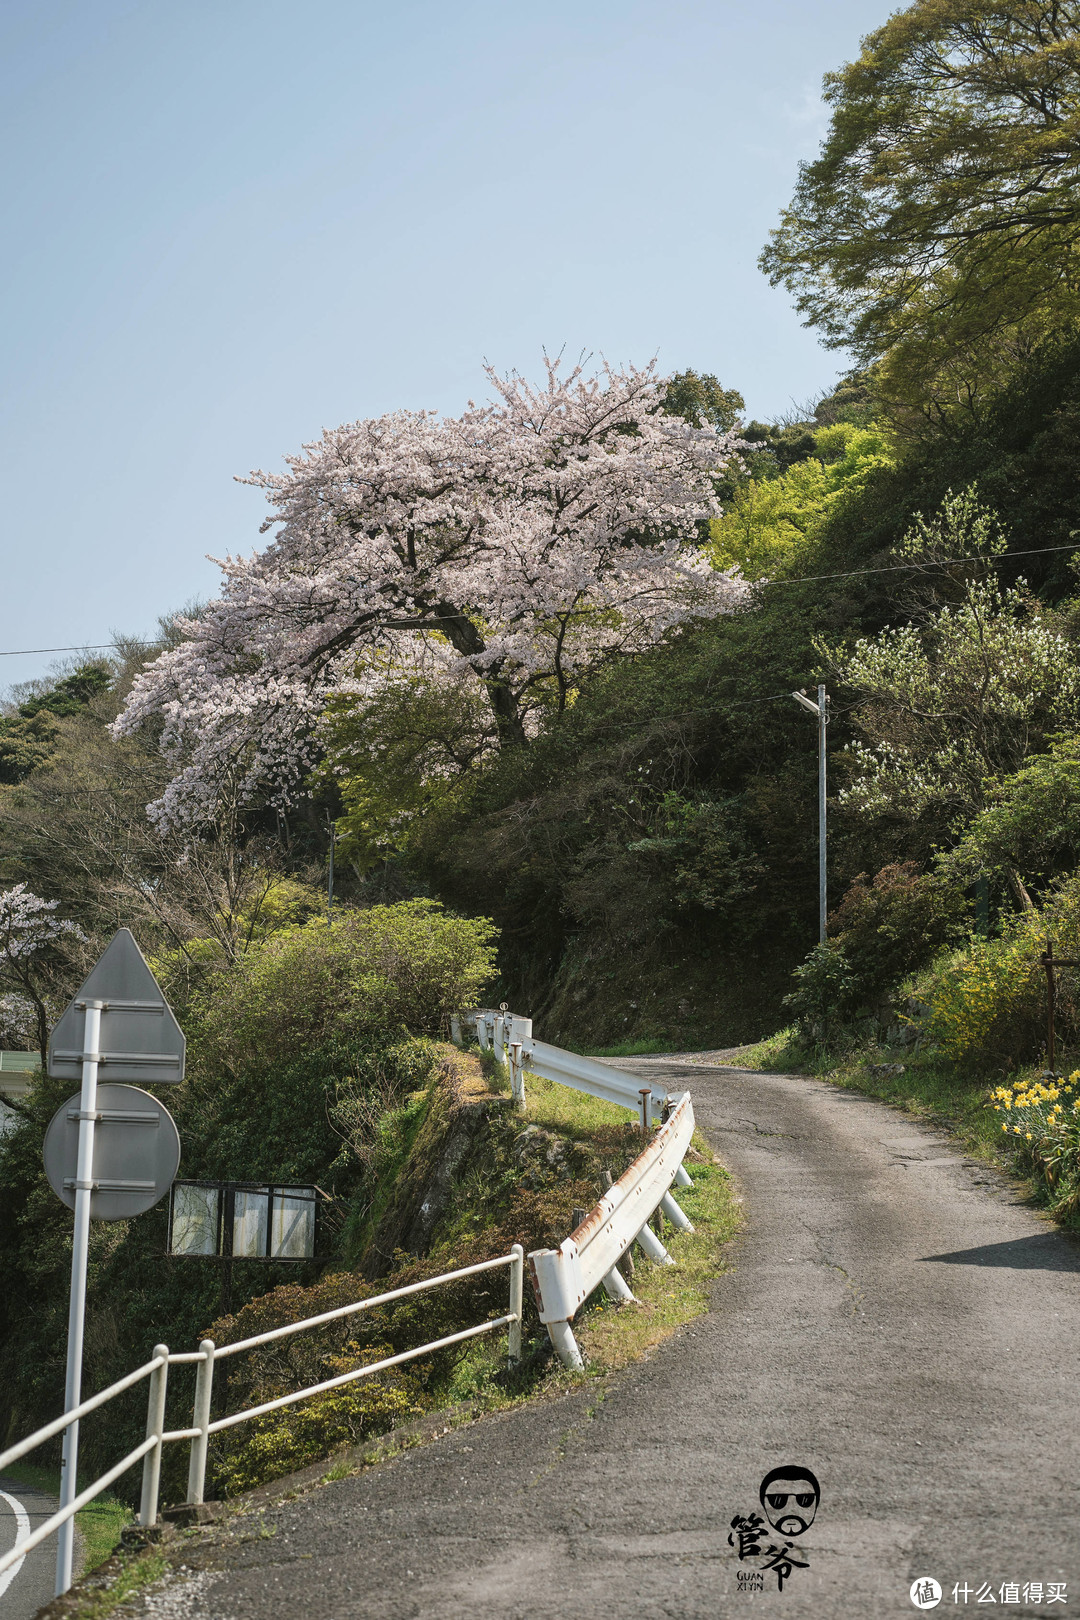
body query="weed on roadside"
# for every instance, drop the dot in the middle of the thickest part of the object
(121, 1578)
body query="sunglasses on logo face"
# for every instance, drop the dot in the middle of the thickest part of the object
(778, 1500)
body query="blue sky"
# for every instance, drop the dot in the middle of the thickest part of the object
(232, 224)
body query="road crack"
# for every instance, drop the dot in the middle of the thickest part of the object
(759, 1130)
(857, 1294)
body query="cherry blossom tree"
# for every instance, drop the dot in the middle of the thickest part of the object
(521, 545)
(30, 935)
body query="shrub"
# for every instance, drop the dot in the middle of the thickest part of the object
(279, 1442)
(881, 932)
(246, 1455)
(285, 1123)
(374, 972)
(986, 1004)
(827, 991)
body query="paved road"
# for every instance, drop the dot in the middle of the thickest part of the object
(897, 1322)
(26, 1586)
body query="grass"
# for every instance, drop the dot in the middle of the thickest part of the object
(628, 1049)
(572, 1113)
(99, 1524)
(129, 1574)
(668, 1296)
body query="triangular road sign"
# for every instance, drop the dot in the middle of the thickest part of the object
(140, 1038)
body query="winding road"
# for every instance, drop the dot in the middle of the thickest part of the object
(896, 1321)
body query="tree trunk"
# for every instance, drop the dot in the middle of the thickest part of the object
(466, 639)
(507, 715)
(1018, 890)
(42, 1031)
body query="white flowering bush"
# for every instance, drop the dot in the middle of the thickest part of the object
(957, 697)
(30, 934)
(949, 704)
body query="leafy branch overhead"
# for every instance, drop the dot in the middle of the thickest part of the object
(937, 230)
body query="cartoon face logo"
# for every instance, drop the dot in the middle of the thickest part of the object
(790, 1498)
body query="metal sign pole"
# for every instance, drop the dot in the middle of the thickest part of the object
(77, 1306)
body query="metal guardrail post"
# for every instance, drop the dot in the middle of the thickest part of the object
(653, 1247)
(616, 1288)
(566, 1346)
(645, 1093)
(200, 1419)
(155, 1428)
(517, 1074)
(517, 1286)
(682, 1178)
(678, 1217)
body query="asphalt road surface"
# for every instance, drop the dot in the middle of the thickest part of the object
(26, 1586)
(897, 1322)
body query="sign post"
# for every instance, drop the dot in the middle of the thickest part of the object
(80, 1243)
(119, 1020)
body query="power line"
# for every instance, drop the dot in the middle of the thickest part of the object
(84, 646)
(903, 568)
(794, 579)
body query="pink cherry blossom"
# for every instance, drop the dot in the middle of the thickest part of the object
(521, 544)
(27, 924)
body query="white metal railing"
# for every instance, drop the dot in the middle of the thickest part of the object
(564, 1278)
(510, 1038)
(208, 1354)
(153, 1367)
(157, 1370)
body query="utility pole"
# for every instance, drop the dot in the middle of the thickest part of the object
(820, 709)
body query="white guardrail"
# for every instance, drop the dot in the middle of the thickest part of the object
(205, 1357)
(564, 1278)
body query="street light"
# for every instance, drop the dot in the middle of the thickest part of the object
(821, 710)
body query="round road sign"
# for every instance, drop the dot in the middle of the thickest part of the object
(136, 1152)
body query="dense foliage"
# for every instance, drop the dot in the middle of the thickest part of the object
(377, 971)
(936, 232)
